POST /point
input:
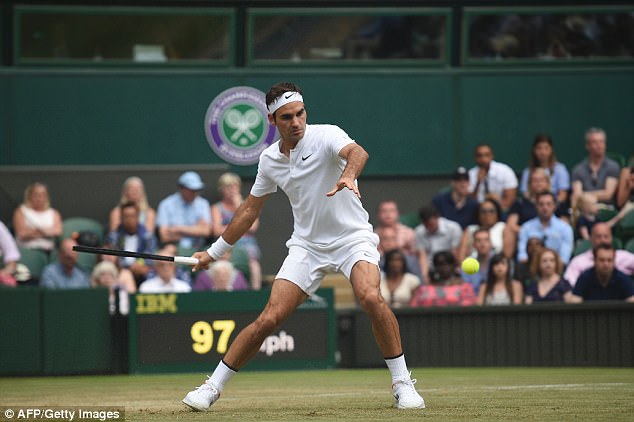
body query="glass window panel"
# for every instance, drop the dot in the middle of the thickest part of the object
(550, 35)
(361, 37)
(120, 35)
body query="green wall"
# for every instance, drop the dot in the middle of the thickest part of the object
(413, 122)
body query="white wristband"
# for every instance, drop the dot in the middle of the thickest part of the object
(219, 248)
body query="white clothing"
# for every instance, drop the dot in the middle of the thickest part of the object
(321, 223)
(403, 293)
(42, 220)
(306, 267)
(157, 285)
(499, 178)
(446, 238)
(496, 234)
(498, 297)
(329, 233)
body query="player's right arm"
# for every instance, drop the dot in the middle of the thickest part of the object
(244, 217)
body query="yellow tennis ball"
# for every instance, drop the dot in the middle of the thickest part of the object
(470, 266)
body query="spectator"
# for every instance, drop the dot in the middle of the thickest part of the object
(165, 280)
(555, 233)
(597, 174)
(483, 253)
(10, 257)
(490, 179)
(603, 281)
(388, 241)
(184, 217)
(446, 288)
(182, 272)
(221, 214)
(543, 157)
(456, 204)
(601, 233)
(119, 282)
(133, 236)
(388, 216)
(397, 282)
(625, 192)
(436, 234)
(587, 214)
(133, 190)
(523, 271)
(489, 218)
(221, 276)
(548, 285)
(64, 273)
(524, 209)
(500, 288)
(35, 222)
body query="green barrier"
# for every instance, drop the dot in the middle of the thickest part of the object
(20, 331)
(191, 332)
(77, 335)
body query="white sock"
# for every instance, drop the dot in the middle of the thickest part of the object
(397, 367)
(221, 375)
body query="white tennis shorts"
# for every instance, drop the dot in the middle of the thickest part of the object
(306, 267)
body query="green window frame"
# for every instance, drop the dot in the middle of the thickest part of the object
(124, 36)
(325, 44)
(562, 40)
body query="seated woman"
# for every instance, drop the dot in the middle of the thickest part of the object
(35, 222)
(446, 288)
(489, 218)
(500, 288)
(543, 157)
(397, 282)
(229, 185)
(548, 284)
(133, 190)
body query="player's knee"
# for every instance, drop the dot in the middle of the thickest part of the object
(267, 323)
(371, 299)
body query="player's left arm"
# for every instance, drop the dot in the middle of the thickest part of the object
(356, 158)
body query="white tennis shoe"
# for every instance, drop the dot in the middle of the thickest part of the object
(406, 395)
(202, 397)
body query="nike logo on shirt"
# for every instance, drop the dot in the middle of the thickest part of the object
(306, 158)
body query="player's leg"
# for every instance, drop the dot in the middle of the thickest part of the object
(284, 299)
(365, 279)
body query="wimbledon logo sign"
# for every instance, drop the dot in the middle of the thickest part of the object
(237, 127)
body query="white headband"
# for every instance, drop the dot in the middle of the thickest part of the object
(282, 100)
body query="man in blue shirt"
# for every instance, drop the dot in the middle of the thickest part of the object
(185, 217)
(555, 233)
(603, 281)
(65, 274)
(456, 204)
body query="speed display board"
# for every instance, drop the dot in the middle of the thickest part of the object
(192, 331)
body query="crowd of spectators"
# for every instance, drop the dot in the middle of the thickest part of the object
(547, 235)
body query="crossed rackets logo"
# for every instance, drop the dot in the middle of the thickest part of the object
(243, 125)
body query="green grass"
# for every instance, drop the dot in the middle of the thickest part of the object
(455, 394)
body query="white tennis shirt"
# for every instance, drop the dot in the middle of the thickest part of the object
(314, 166)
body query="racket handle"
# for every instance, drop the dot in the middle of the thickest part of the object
(187, 260)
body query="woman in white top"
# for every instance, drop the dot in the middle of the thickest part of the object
(35, 222)
(489, 216)
(500, 288)
(397, 283)
(134, 191)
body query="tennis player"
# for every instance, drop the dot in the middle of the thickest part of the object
(317, 167)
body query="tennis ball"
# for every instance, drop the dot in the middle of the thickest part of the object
(470, 266)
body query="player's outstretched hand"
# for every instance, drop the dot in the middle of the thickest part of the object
(203, 260)
(345, 183)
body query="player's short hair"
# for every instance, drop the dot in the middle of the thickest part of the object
(280, 88)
